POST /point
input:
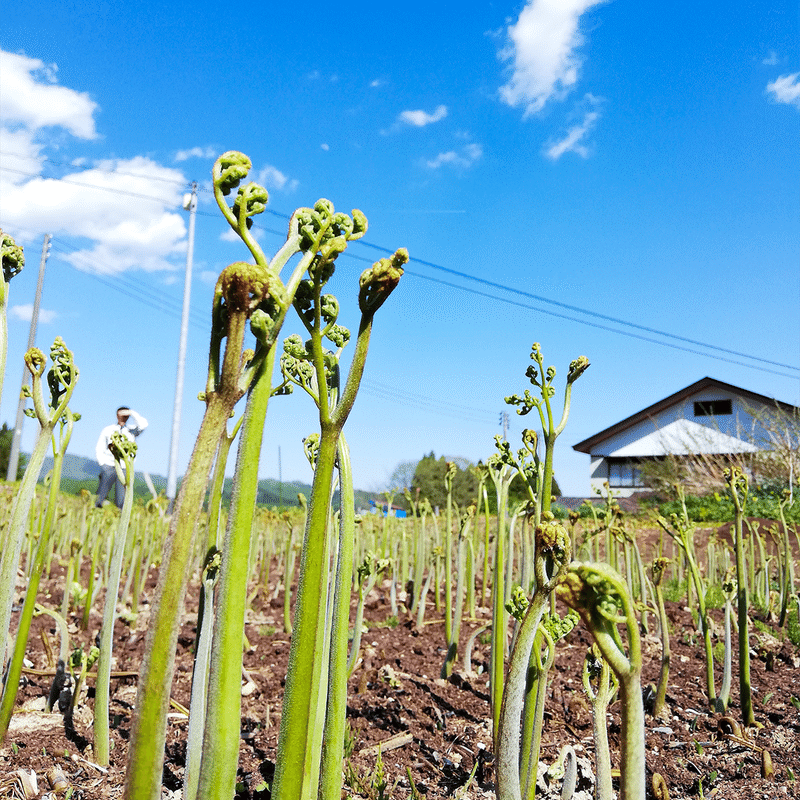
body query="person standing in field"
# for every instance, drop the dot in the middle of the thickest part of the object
(129, 424)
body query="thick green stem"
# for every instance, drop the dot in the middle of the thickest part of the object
(297, 767)
(16, 532)
(217, 779)
(336, 714)
(143, 779)
(594, 590)
(553, 553)
(600, 700)
(499, 613)
(533, 712)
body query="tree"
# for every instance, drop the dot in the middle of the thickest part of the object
(6, 436)
(429, 479)
(402, 476)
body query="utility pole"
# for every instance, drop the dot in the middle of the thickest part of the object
(13, 458)
(190, 205)
(504, 424)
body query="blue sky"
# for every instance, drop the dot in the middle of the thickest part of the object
(636, 161)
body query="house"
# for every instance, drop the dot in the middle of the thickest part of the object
(708, 417)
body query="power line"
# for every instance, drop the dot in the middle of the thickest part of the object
(83, 185)
(504, 288)
(578, 309)
(133, 290)
(630, 334)
(95, 168)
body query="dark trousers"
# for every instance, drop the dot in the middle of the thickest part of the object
(108, 478)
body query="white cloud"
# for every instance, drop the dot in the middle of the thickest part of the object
(196, 152)
(128, 210)
(786, 89)
(771, 60)
(209, 277)
(376, 83)
(420, 119)
(273, 179)
(125, 212)
(25, 312)
(29, 95)
(325, 147)
(574, 141)
(542, 48)
(463, 158)
(21, 155)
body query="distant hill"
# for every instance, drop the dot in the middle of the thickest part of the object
(79, 473)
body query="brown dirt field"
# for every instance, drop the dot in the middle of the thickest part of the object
(396, 690)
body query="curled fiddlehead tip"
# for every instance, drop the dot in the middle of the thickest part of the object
(229, 169)
(553, 546)
(121, 447)
(658, 568)
(35, 361)
(262, 325)
(250, 200)
(530, 439)
(311, 448)
(360, 225)
(380, 280)
(338, 335)
(517, 604)
(12, 257)
(558, 627)
(577, 368)
(593, 590)
(243, 286)
(736, 480)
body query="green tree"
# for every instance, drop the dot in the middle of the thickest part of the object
(402, 476)
(429, 478)
(6, 435)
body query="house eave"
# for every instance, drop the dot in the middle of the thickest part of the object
(649, 413)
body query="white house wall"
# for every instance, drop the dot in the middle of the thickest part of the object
(723, 433)
(738, 424)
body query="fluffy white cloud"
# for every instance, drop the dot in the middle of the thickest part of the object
(126, 213)
(25, 312)
(273, 179)
(127, 210)
(463, 158)
(420, 119)
(196, 152)
(29, 95)
(542, 48)
(574, 140)
(786, 89)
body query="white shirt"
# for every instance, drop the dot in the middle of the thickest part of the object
(133, 426)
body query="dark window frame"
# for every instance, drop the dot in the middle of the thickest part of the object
(713, 408)
(634, 481)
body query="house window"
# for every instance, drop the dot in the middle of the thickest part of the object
(712, 408)
(624, 472)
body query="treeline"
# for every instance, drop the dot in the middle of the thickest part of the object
(427, 481)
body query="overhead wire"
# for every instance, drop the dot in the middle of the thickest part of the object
(501, 287)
